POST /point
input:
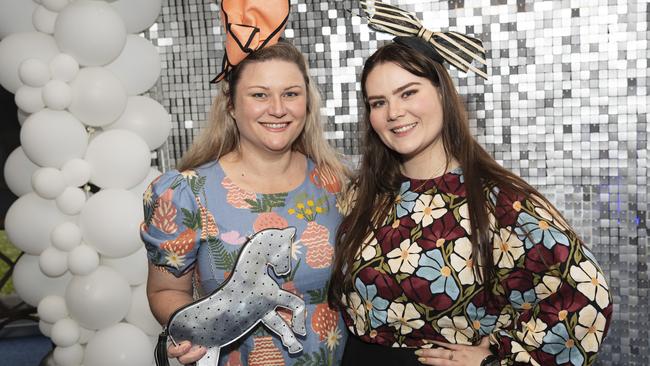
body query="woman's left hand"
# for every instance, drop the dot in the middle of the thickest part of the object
(450, 354)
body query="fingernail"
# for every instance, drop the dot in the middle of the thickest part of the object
(418, 353)
(421, 359)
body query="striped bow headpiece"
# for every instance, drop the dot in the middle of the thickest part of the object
(456, 48)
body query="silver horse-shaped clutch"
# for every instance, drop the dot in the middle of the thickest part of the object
(249, 296)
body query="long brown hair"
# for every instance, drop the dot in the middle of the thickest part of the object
(376, 195)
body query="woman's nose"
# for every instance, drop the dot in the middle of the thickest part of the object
(277, 107)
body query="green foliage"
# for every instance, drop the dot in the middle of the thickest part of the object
(192, 219)
(222, 258)
(268, 202)
(313, 359)
(12, 252)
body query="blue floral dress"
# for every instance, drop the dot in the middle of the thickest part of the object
(197, 220)
(415, 279)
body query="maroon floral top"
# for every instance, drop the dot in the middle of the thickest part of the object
(415, 280)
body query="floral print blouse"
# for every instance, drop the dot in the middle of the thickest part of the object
(197, 221)
(415, 279)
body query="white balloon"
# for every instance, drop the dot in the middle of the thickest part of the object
(57, 95)
(52, 309)
(29, 222)
(138, 66)
(51, 138)
(140, 314)
(29, 99)
(68, 356)
(86, 335)
(110, 222)
(91, 31)
(18, 47)
(76, 172)
(133, 267)
(83, 260)
(138, 14)
(44, 19)
(147, 118)
(98, 97)
(65, 332)
(48, 182)
(71, 201)
(119, 159)
(34, 72)
(120, 345)
(55, 5)
(142, 186)
(22, 116)
(98, 300)
(66, 236)
(32, 285)
(45, 328)
(53, 262)
(18, 172)
(64, 67)
(16, 17)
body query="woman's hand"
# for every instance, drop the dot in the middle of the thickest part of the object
(454, 354)
(185, 353)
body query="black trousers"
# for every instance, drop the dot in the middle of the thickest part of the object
(358, 353)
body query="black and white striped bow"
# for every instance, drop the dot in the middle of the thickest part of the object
(456, 48)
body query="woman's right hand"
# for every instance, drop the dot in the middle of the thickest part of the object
(185, 353)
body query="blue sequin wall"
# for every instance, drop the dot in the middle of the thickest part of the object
(565, 107)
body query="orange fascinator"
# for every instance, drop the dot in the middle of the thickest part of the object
(250, 25)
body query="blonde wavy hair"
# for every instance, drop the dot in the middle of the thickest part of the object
(222, 137)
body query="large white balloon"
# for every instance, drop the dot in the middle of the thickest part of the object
(48, 182)
(64, 67)
(99, 299)
(57, 95)
(110, 222)
(133, 267)
(55, 5)
(138, 14)
(140, 314)
(71, 201)
(34, 72)
(138, 66)
(32, 285)
(83, 260)
(44, 19)
(18, 172)
(142, 186)
(86, 335)
(147, 118)
(91, 31)
(29, 222)
(51, 138)
(65, 332)
(29, 99)
(52, 309)
(16, 17)
(120, 345)
(98, 97)
(18, 47)
(119, 159)
(76, 172)
(68, 356)
(53, 262)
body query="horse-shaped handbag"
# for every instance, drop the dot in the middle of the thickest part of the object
(247, 297)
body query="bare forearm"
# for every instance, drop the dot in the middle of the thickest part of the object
(163, 303)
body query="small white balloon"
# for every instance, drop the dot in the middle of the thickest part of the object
(34, 72)
(53, 262)
(44, 19)
(18, 47)
(45, 328)
(140, 314)
(71, 201)
(83, 260)
(98, 97)
(48, 182)
(119, 159)
(55, 5)
(133, 267)
(68, 356)
(29, 99)
(91, 31)
(122, 344)
(138, 66)
(86, 335)
(98, 300)
(57, 95)
(65, 332)
(32, 285)
(110, 222)
(138, 14)
(22, 116)
(147, 118)
(64, 67)
(18, 172)
(52, 309)
(76, 172)
(51, 138)
(66, 236)
(16, 17)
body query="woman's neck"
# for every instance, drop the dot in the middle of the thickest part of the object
(430, 163)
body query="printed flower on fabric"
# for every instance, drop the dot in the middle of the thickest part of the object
(507, 248)
(369, 248)
(566, 302)
(427, 208)
(558, 342)
(356, 310)
(442, 230)
(505, 318)
(533, 332)
(463, 212)
(433, 268)
(591, 283)
(521, 355)
(405, 200)
(462, 261)
(545, 215)
(456, 330)
(590, 328)
(333, 338)
(482, 322)
(375, 305)
(547, 287)
(389, 236)
(533, 231)
(404, 318)
(405, 258)
(523, 301)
